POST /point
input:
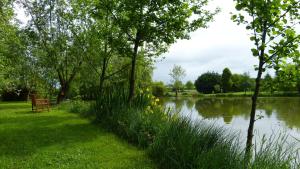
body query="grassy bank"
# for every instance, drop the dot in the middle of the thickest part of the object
(194, 93)
(178, 143)
(58, 139)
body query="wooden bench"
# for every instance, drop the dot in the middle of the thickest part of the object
(39, 104)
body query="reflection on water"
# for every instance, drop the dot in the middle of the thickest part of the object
(278, 114)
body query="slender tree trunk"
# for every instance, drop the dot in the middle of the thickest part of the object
(254, 98)
(105, 59)
(133, 68)
(104, 67)
(176, 93)
(298, 77)
(253, 110)
(102, 76)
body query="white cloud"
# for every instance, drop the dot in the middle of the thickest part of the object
(223, 44)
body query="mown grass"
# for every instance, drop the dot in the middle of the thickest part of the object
(58, 139)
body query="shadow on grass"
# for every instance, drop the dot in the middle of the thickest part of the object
(21, 136)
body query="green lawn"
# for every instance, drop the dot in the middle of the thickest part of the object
(58, 139)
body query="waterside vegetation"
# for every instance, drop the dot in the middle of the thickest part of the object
(171, 140)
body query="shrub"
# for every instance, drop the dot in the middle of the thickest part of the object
(189, 85)
(158, 89)
(18, 94)
(206, 82)
(79, 107)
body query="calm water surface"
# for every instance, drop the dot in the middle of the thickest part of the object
(275, 115)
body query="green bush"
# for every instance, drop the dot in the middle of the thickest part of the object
(206, 82)
(79, 107)
(159, 89)
(83, 108)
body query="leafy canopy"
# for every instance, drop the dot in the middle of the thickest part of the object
(273, 25)
(157, 24)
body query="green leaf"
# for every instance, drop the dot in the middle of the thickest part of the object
(284, 21)
(238, 7)
(271, 51)
(255, 52)
(233, 17)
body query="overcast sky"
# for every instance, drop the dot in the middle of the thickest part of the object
(223, 44)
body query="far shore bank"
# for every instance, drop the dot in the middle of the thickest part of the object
(194, 93)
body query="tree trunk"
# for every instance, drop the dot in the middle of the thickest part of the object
(298, 77)
(133, 67)
(253, 110)
(105, 59)
(176, 93)
(298, 86)
(255, 96)
(104, 66)
(102, 76)
(62, 93)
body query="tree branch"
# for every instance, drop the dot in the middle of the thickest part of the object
(254, 30)
(284, 14)
(277, 51)
(281, 34)
(118, 71)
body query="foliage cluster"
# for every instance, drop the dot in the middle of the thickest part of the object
(177, 73)
(208, 82)
(158, 89)
(285, 80)
(69, 47)
(138, 122)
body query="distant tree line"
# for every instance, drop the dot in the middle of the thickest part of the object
(286, 80)
(212, 82)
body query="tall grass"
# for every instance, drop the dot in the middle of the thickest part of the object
(275, 153)
(179, 143)
(138, 121)
(183, 144)
(186, 144)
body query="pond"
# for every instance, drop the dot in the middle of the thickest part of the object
(274, 115)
